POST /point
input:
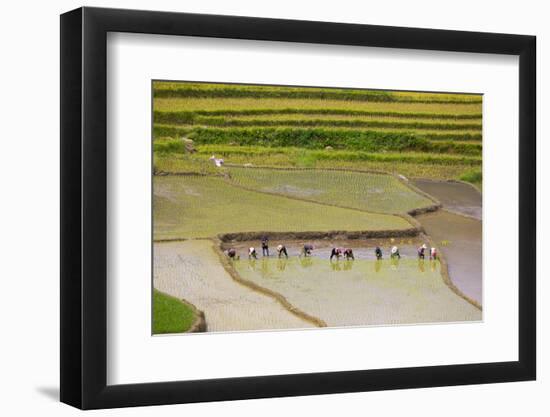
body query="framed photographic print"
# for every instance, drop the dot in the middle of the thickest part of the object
(256, 208)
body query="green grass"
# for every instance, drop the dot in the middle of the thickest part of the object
(189, 89)
(474, 177)
(201, 207)
(255, 104)
(340, 133)
(164, 113)
(363, 191)
(260, 155)
(319, 138)
(441, 167)
(315, 120)
(171, 315)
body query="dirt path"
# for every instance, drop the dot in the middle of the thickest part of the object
(191, 270)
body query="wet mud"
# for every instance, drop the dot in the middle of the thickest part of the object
(460, 240)
(455, 196)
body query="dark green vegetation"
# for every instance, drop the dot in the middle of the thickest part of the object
(171, 315)
(413, 134)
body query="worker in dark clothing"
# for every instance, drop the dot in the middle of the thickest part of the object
(336, 252)
(307, 250)
(348, 254)
(422, 251)
(378, 253)
(232, 253)
(265, 246)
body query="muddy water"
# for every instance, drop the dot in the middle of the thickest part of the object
(191, 270)
(455, 196)
(460, 240)
(361, 292)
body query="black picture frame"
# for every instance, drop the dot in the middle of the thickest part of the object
(84, 207)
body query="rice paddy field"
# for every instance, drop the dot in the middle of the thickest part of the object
(363, 191)
(362, 292)
(188, 207)
(323, 162)
(191, 270)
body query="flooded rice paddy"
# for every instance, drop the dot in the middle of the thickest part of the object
(460, 240)
(363, 291)
(459, 237)
(191, 270)
(455, 196)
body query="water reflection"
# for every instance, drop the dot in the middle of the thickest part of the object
(421, 266)
(281, 264)
(335, 266)
(394, 262)
(377, 265)
(348, 264)
(306, 262)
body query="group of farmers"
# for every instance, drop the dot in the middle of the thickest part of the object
(336, 252)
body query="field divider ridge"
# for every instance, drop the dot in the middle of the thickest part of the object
(226, 263)
(444, 271)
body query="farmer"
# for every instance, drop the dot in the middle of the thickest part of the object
(232, 253)
(252, 253)
(265, 246)
(336, 252)
(348, 254)
(307, 250)
(395, 253)
(433, 254)
(421, 251)
(281, 250)
(378, 253)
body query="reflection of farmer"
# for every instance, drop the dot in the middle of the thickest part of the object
(395, 252)
(433, 254)
(307, 250)
(378, 252)
(252, 253)
(265, 247)
(421, 251)
(281, 250)
(336, 252)
(348, 254)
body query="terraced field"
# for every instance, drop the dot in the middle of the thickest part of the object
(203, 206)
(406, 132)
(362, 292)
(264, 133)
(191, 270)
(363, 191)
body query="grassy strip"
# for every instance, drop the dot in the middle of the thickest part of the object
(368, 141)
(199, 164)
(304, 155)
(183, 115)
(190, 118)
(195, 90)
(161, 130)
(247, 103)
(171, 315)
